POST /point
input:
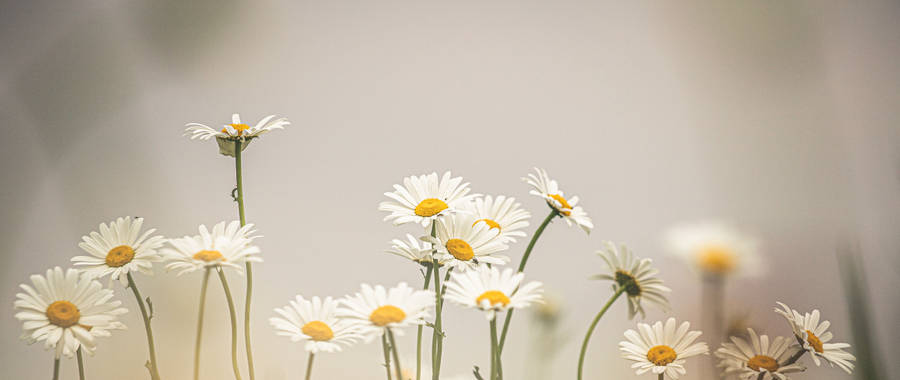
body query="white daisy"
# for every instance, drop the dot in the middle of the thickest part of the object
(758, 359)
(415, 249)
(502, 213)
(226, 246)
(713, 249)
(67, 311)
(548, 189)
(423, 198)
(815, 337)
(465, 244)
(661, 349)
(315, 322)
(492, 291)
(636, 275)
(118, 249)
(375, 309)
(234, 131)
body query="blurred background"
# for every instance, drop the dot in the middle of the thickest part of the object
(778, 117)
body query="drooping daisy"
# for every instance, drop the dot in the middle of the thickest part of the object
(314, 321)
(225, 246)
(661, 349)
(67, 311)
(503, 214)
(423, 198)
(118, 249)
(375, 309)
(638, 276)
(235, 131)
(713, 249)
(415, 249)
(758, 359)
(549, 190)
(815, 338)
(466, 244)
(492, 291)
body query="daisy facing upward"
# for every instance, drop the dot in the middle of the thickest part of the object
(662, 349)
(422, 199)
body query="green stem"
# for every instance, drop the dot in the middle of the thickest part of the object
(80, 364)
(387, 355)
(537, 234)
(249, 266)
(419, 330)
(496, 366)
(154, 371)
(231, 313)
(397, 365)
(437, 339)
(309, 364)
(200, 323)
(55, 368)
(797, 355)
(660, 377)
(587, 337)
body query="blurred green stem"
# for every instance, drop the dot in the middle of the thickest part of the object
(55, 368)
(395, 353)
(201, 308)
(309, 364)
(80, 364)
(387, 355)
(419, 330)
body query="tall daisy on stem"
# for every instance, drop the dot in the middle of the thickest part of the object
(118, 250)
(223, 247)
(233, 139)
(662, 349)
(632, 276)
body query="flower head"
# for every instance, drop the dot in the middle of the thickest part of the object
(661, 349)
(464, 244)
(119, 249)
(567, 208)
(713, 249)
(236, 131)
(314, 321)
(373, 310)
(422, 199)
(67, 311)
(758, 359)
(224, 246)
(414, 249)
(816, 339)
(492, 291)
(637, 276)
(501, 213)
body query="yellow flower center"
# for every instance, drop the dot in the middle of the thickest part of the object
(208, 256)
(63, 314)
(430, 207)
(490, 223)
(460, 249)
(387, 314)
(318, 331)
(716, 259)
(562, 201)
(661, 355)
(494, 296)
(763, 361)
(632, 287)
(240, 128)
(815, 342)
(119, 256)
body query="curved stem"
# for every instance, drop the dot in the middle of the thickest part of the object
(249, 266)
(154, 371)
(419, 331)
(55, 368)
(200, 323)
(537, 234)
(394, 351)
(234, 358)
(387, 355)
(309, 364)
(587, 337)
(80, 364)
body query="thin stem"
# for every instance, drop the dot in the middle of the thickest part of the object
(55, 368)
(496, 366)
(200, 323)
(797, 355)
(154, 371)
(419, 330)
(537, 234)
(660, 377)
(438, 335)
(397, 365)
(712, 300)
(231, 313)
(309, 364)
(249, 266)
(587, 337)
(387, 355)
(80, 364)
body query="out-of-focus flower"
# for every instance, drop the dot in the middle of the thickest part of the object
(714, 249)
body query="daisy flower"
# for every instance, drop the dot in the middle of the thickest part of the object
(492, 291)
(414, 249)
(636, 275)
(547, 189)
(502, 213)
(713, 249)
(315, 322)
(225, 246)
(661, 349)
(465, 244)
(375, 309)
(758, 358)
(234, 131)
(815, 337)
(118, 249)
(67, 311)
(423, 198)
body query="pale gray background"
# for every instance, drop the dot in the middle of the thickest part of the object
(778, 116)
